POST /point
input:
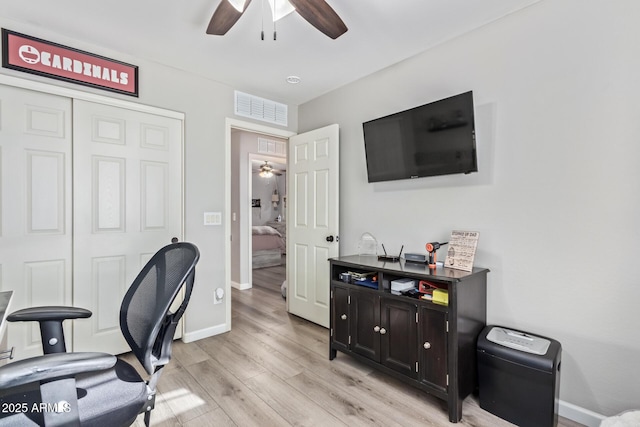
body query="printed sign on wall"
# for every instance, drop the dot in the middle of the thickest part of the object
(36, 56)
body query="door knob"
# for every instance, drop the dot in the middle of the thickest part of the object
(383, 331)
(343, 317)
(427, 345)
(376, 329)
(329, 238)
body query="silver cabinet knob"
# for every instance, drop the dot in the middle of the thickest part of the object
(383, 331)
(427, 345)
(376, 328)
(343, 317)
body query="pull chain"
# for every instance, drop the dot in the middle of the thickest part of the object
(262, 19)
(274, 19)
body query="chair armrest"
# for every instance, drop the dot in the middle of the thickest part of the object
(47, 313)
(53, 366)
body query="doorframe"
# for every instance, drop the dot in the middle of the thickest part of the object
(250, 127)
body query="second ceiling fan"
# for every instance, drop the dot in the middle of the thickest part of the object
(317, 12)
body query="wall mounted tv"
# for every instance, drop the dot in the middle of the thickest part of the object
(433, 139)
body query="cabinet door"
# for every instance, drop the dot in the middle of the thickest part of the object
(432, 329)
(365, 324)
(398, 336)
(340, 318)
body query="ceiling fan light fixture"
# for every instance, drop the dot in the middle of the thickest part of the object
(266, 171)
(316, 12)
(237, 4)
(279, 8)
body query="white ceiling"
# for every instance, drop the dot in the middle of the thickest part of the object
(381, 33)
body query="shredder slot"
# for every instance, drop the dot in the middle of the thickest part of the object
(519, 340)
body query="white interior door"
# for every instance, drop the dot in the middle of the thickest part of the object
(35, 207)
(127, 205)
(313, 220)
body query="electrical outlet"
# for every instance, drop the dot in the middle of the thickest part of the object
(218, 296)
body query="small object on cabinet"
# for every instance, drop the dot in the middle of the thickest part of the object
(417, 258)
(462, 250)
(400, 285)
(345, 277)
(441, 296)
(368, 245)
(427, 287)
(391, 258)
(432, 248)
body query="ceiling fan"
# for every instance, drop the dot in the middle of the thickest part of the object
(267, 171)
(317, 12)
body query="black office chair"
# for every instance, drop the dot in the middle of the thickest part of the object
(98, 389)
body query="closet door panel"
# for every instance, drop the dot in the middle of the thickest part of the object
(35, 206)
(127, 205)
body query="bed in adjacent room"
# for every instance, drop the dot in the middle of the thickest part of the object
(268, 246)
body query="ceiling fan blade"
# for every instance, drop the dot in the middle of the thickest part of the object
(224, 17)
(319, 14)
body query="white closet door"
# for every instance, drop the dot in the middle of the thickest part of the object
(35, 207)
(127, 205)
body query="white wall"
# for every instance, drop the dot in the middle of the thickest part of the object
(557, 89)
(206, 104)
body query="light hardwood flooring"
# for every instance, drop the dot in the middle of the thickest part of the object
(273, 369)
(270, 278)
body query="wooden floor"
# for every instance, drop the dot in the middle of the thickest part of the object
(270, 278)
(272, 369)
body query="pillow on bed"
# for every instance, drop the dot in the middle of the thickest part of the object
(265, 230)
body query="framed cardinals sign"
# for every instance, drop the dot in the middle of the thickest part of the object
(36, 56)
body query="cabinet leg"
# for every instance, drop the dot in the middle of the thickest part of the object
(332, 354)
(455, 410)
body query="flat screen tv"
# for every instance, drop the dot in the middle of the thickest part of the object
(434, 139)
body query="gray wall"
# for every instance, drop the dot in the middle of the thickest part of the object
(206, 104)
(556, 203)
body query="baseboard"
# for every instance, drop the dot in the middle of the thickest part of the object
(240, 286)
(205, 333)
(579, 415)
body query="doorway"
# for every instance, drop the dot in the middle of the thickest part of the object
(313, 228)
(264, 144)
(267, 191)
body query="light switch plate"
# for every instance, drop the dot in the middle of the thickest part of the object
(212, 218)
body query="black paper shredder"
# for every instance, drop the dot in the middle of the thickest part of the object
(519, 376)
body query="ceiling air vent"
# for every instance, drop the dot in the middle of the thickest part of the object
(260, 109)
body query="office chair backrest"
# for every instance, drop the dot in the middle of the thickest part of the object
(145, 319)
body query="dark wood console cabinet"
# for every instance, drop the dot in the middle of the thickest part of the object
(428, 345)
